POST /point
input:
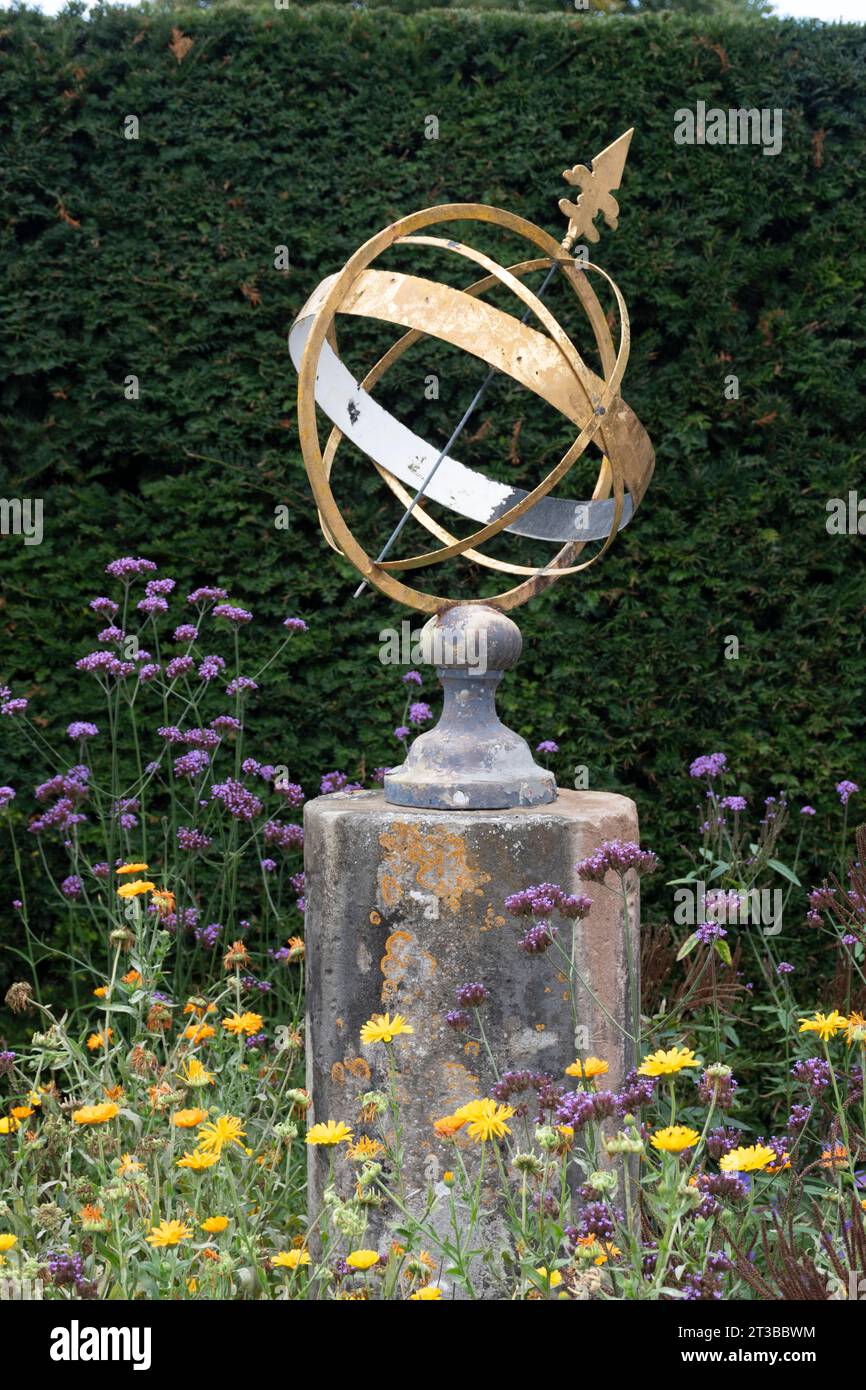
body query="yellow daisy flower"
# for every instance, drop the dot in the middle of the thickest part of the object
(332, 1132)
(127, 1164)
(362, 1259)
(552, 1276)
(668, 1063)
(485, 1119)
(194, 1074)
(169, 1233)
(825, 1025)
(8, 1124)
(382, 1028)
(100, 1039)
(198, 1162)
(365, 1148)
(216, 1134)
(7, 1242)
(132, 869)
(751, 1159)
(291, 1259)
(593, 1066)
(431, 1293)
(215, 1224)
(674, 1139)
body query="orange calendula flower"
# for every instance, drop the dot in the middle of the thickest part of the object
(127, 1164)
(365, 1148)
(331, 1132)
(215, 1225)
(95, 1114)
(668, 1063)
(101, 991)
(837, 1157)
(169, 1233)
(243, 1023)
(132, 977)
(198, 1162)
(163, 900)
(100, 1039)
(382, 1028)
(297, 948)
(132, 869)
(856, 1028)
(216, 1134)
(604, 1250)
(236, 956)
(113, 1092)
(21, 1112)
(593, 1066)
(751, 1159)
(136, 888)
(291, 1259)
(825, 1025)
(447, 1127)
(188, 1119)
(199, 1032)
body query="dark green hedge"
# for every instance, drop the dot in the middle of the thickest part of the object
(306, 127)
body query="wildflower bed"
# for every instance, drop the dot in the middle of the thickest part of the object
(154, 1120)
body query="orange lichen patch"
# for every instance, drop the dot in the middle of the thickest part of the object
(395, 961)
(472, 1049)
(375, 919)
(338, 1074)
(492, 919)
(438, 861)
(358, 1067)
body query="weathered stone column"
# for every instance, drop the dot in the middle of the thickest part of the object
(404, 906)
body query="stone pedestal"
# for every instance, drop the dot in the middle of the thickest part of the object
(404, 906)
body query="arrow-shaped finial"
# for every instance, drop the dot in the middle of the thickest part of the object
(596, 192)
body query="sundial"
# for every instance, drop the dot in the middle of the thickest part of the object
(471, 760)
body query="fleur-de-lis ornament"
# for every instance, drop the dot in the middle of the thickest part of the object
(596, 195)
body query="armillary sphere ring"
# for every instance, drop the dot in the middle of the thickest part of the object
(549, 366)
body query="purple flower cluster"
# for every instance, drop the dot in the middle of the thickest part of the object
(232, 614)
(295, 625)
(541, 899)
(192, 839)
(285, 836)
(206, 594)
(191, 764)
(537, 938)
(65, 1268)
(81, 729)
(846, 790)
(578, 1108)
(127, 567)
(617, 856)
(709, 765)
(238, 800)
(472, 996)
(210, 668)
(7, 794)
(813, 1074)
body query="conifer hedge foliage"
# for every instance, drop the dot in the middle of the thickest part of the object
(305, 127)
